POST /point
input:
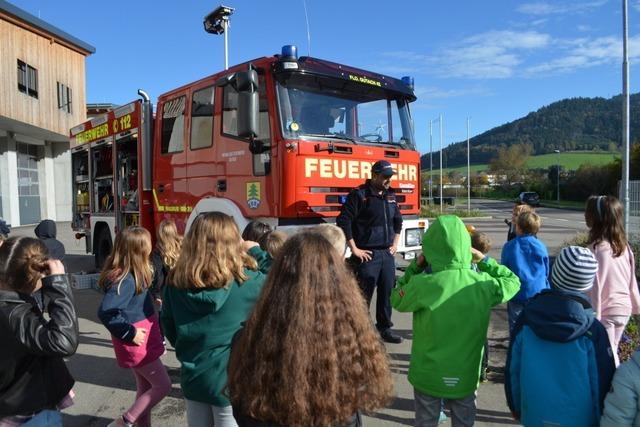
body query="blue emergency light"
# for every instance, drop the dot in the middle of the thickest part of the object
(408, 80)
(343, 199)
(289, 52)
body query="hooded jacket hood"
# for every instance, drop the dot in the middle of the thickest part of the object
(46, 232)
(559, 316)
(46, 229)
(204, 301)
(447, 245)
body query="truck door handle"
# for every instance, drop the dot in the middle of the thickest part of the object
(161, 188)
(222, 185)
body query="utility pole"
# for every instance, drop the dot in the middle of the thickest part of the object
(440, 163)
(625, 118)
(468, 170)
(430, 161)
(557, 176)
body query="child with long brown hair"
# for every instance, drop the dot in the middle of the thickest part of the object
(210, 292)
(164, 256)
(614, 295)
(127, 312)
(308, 355)
(34, 380)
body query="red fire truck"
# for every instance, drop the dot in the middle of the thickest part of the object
(279, 138)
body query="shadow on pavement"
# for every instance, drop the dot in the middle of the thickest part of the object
(495, 417)
(110, 375)
(84, 421)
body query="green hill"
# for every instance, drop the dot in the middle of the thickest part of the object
(575, 124)
(568, 160)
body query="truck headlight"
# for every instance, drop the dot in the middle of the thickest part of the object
(413, 237)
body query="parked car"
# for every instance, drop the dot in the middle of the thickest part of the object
(531, 198)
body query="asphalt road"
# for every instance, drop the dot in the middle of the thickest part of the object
(103, 390)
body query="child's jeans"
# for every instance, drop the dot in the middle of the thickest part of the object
(201, 414)
(513, 312)
(463, 411)
(152, 385)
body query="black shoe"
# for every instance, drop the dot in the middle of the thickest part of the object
(390, 337)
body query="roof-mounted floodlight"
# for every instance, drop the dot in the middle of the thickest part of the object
(217, 22)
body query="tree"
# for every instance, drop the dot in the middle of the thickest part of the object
(511, 162)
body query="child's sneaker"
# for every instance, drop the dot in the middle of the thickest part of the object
(443, 417)
(120, 422)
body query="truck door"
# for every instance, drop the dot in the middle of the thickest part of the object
(247, 176)
(169, 171)
(205, 176)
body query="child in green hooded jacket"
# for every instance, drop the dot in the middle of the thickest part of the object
(451, 307)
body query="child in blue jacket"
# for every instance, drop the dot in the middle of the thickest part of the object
(560, 365)
(528, 258)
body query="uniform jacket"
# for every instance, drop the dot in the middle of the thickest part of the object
(451, 308)
(560, 365)
(122, 311)
(200, 324)
(622, 404)
(528, 258)
(370, 219)
(33, 375)
(615, 289)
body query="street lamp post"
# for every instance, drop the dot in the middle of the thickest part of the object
(441, 163)
(558, 175)
(468, 170)
(431, 161)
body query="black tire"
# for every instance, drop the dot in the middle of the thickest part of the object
(103, 247)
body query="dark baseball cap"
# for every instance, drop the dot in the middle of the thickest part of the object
(382, 167)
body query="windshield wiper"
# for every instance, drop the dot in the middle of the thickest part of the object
(331, 136)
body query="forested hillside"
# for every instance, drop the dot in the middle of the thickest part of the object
(570, 124)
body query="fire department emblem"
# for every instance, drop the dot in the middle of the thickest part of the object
(253, 194)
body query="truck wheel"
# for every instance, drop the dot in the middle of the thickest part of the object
(102, 248)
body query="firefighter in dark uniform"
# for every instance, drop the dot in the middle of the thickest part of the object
(371, 221)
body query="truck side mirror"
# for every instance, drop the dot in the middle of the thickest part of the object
(246, 83)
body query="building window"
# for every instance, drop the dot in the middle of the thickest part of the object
(27, 79)
(64, 98)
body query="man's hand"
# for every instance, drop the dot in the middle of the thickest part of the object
(140, 336)
(393, 249)
(476, 255)
(363, 255)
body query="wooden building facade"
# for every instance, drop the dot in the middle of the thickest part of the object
(42, 95)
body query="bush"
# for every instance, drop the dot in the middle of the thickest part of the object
(432, 211)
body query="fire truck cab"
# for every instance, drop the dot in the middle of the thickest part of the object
(279, 138)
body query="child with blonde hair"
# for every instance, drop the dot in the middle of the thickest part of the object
(210, 292)
(272, 242)
(164, 256)
(528, 258)
(334, 235)
(127, 312)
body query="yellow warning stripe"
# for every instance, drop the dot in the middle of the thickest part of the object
(169, 208)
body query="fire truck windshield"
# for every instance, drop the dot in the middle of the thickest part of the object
(314, 106)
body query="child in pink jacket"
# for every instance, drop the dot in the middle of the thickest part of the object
(614, 295)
